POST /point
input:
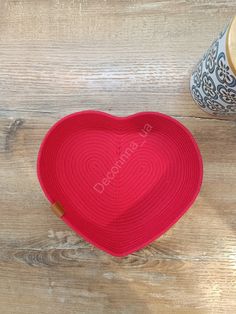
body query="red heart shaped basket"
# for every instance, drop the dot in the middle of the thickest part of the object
(119, 182)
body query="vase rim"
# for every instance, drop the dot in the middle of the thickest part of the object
(231, 45)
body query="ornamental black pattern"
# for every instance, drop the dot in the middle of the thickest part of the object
(231, 108)
(208, 86)
(198, 75)
(214, 106)
(212, 56)
(222, 71)
(197, 96)
(228, 95)
(213, 83)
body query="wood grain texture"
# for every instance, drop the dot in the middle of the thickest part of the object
(61, 56)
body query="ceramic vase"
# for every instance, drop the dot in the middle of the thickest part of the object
(213, 81)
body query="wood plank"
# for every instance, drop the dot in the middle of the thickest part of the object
(35, 243)
(119, 56)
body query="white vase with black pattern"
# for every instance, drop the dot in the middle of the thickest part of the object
(213, 81)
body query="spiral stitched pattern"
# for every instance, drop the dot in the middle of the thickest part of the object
(121, 181)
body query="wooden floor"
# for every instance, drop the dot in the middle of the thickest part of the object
(119, 56)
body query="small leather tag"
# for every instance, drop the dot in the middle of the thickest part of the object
(57, 209)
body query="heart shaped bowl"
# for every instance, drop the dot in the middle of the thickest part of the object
(119, 182)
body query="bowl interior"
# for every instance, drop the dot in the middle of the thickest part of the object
(121, 181)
